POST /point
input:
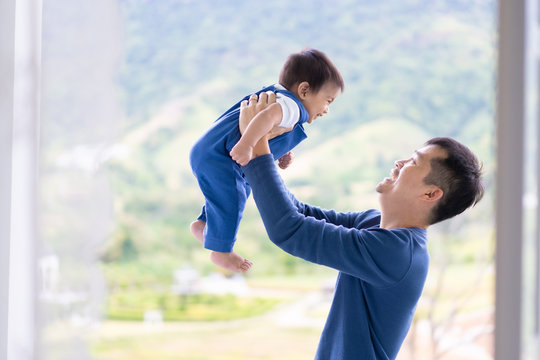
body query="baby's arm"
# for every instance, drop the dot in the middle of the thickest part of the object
(260, 126)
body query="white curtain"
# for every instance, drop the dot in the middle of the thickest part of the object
(80, 118)
(59, 114)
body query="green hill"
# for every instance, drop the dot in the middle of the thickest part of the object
(413, 69)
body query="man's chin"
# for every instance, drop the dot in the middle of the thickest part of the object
(384, 183)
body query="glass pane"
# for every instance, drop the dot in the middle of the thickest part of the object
(130, 85)
(531, 229)
(81, 115)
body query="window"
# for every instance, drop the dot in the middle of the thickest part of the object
(518, 240)
(71, 290)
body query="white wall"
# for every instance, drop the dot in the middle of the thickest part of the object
(7, 39)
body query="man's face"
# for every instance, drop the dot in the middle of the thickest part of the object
(406, 181)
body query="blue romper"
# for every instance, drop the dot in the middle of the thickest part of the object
(221, 179)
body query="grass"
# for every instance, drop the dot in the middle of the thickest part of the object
(262, 331)
(202, 307)
(250, 339)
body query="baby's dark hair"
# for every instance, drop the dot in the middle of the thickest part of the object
(312, 66)
(459, 175)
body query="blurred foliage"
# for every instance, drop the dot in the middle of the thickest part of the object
(413, 69)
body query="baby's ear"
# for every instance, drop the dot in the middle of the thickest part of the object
(303, 89)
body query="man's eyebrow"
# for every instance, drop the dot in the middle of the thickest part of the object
(419, 154)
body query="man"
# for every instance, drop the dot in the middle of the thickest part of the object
(381, 256)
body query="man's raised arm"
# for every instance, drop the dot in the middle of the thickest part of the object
(248, 110)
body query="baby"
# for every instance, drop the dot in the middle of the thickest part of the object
(308, 84)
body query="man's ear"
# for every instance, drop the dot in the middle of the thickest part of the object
(303, 89)
(433, 193)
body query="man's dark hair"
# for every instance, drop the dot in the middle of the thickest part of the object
(310, 65)
(458, 175)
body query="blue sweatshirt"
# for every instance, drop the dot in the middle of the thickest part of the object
(381, 272)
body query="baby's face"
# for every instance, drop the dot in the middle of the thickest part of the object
(318, 103)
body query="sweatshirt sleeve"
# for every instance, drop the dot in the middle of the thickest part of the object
(363, 219)
(378, 256)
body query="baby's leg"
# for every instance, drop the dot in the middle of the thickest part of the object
(230, 261)
(225, 192)
(197, 228)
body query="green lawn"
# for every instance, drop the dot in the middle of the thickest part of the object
(273, 331)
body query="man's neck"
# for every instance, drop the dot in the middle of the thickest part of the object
(394, 222)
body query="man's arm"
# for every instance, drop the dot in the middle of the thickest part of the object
(248, 110)
(353, 251)
(356, 220)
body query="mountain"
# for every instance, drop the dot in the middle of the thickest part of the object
(413, 69)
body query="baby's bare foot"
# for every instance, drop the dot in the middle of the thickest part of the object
(230, 261)
(197, 228)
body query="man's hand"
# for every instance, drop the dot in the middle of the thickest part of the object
(286, 160)
(250, 108)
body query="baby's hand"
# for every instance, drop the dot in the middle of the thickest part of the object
(286, 160)
(241, 153)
